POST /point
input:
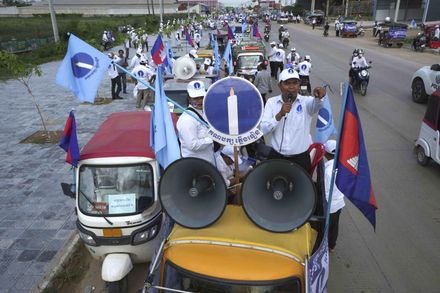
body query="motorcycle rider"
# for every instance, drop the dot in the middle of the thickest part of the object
(293, 57)
(280, 33)
(358, 62)
(285, 38)
(326, 28)
(273, 60)
(305, 68)
(418, 41)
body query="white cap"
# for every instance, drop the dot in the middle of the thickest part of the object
(193, 52)
(272, 43)
(139, 51)
(293, 49)
(307, 57)
(280, 46)
(207, 61)
(330, 146)
(229, 151)
(288, 73)
(196, 89)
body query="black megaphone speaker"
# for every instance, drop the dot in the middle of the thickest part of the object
(193, 193)
(278, 195)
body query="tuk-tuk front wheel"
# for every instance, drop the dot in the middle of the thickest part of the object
(422, 159)
(418, 91)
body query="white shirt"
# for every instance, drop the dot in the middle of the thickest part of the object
(194, 139)
(112, 70)
(135, 61)
(290, 135)
(197, 37)
(144, 74)
(437, 33)
(295, 57)
(272, 54)
(224, 169)
(304, 68)
(359, 62)
(280, 55)
(104, 37)
(337, 197)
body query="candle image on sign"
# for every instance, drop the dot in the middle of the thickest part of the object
(233, 108)
(233, 113)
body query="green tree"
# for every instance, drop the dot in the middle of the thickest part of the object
(17, 69)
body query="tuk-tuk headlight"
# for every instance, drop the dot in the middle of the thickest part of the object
(364, 73)
(88, 239)
(146, 235)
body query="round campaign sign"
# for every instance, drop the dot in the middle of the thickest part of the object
(82, 64)
(233, 107)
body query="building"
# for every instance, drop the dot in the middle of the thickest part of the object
(419, 10)
(211, 4)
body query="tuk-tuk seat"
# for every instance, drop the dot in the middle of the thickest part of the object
(435, 67)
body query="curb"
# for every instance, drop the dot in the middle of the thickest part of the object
(59, 262)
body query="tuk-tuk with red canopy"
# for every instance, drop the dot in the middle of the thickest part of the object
(429, 29)
(118, 208)
(427, 145)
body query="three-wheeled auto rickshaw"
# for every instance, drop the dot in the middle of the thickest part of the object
(246, 58)
(392, 33)
(237, 248)
(429, 29)
(117, 204)
(349, 28)
(427, 145)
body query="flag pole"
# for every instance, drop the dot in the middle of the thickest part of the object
(335, 159)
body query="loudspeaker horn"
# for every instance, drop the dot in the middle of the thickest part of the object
(193, 193)
(184, 68)
(278, 196)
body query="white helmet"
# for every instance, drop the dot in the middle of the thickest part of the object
(280, 46)
(307, 57)
(293, 49)
(387, 19)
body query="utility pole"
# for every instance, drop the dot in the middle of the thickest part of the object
(346, 8)
(312, 8)
(161, 11)
(327, 8)
(187, 8)
(396, 13)
(54, 22)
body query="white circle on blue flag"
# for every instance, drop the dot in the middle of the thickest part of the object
(82, 64)
(233, 107)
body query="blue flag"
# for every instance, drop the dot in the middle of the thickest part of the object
(216, 58)
(170, 56)
(318, 267)
(325, 127)
(163, 138)
(227, 56)
(82, 69)
(243, 24)
(353, 178)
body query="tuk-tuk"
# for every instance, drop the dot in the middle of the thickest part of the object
(117, 204)
(175, 89)
(247, 55)
(429, 28)
(427, 145)
(349, 28)
(392, 33)
(240, 248)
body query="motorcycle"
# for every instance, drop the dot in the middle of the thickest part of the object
(361, 79)
(285, 42)
(266, 37)
(360, 32)
(304, 85)
(419, 43)
(325, 33)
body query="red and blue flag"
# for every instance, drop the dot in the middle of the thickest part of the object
(255, 31)
(353, 177)
(188, 38)
(230, 33)
(69, 141)
(158, 53)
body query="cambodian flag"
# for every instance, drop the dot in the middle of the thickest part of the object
(69, 141)
(353, 177)
(256, 32)
(230, 33)
(188, 38)
(158, 53)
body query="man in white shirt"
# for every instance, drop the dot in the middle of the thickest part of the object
(337, 202)
(272, 60)
(436, 33)
(145, 75)
(305, 68)
(280, 56)
(192, 133)
(136, 60)
(293, 57)
(114, 75)
(287, 118)
(197, 39)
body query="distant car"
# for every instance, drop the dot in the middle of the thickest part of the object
(424, 82)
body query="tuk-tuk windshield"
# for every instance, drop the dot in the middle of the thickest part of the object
(249, 61)
(115, 190)
(177, 278)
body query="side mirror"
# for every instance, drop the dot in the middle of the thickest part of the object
(68, 190)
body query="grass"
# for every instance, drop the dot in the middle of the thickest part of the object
(43, 137)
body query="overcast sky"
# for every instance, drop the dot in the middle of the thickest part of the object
(233, 2)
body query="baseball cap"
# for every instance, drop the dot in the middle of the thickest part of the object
(196, 89)
(272, 43)
(229, 151)
(293, 49)
(207, 61)
(280, 46)
(194, 53)
(288, 73)
(330, 146)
